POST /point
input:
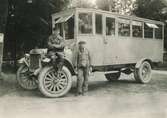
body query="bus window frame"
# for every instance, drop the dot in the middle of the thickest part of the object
(77, 22)
(142, 25)
(115, 31)
(102, 18)
(162, 28)
(130, 24)
(145, 23)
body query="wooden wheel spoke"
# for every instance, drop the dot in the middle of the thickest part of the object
(49, 79)
(63, 83)
(57, 88)
(60, 85)
(54, 88)
(49, 75)
(62, 80)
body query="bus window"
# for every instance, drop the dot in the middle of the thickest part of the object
(158, 32)
(124, 27)
(99, 27)
(69, 29)
(110, 26)
(137, 29)
(148, 30)
(59, 26)
(85, 23)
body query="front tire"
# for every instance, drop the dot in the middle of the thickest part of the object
(25, 80)
(143, 73)
(52, 85)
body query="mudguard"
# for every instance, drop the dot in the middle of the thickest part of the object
(23, 61)
(141, 61)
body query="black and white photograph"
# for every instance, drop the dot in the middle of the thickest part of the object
(83, 58)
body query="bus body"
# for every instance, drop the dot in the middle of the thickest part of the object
(112, 39)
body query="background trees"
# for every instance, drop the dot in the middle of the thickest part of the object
(152, 9)
(29, 24)
(118, 6)
(3, 14)
(29, 21)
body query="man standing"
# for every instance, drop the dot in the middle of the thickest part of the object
(56, 46)
(83, 66)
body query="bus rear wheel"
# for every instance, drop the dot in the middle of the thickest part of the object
(112, 76)
(143, 73)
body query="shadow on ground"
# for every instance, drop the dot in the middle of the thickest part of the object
(97, 86)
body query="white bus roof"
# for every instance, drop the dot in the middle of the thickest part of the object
(73, 10)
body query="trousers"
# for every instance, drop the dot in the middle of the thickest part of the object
(82, 81)
(57, 60)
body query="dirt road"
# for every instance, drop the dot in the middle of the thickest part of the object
(120, 99)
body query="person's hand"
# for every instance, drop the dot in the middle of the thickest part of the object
(91, 68)
(75, 69)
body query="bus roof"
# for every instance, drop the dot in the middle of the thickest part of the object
(73, 10)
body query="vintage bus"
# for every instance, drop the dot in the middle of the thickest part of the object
(117, 44)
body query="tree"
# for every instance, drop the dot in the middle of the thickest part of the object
(29, 24)
(152, 9)
(118, 6)
(82, 4)
(3, 14)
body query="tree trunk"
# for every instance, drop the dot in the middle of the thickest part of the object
(3, 21)
(3, 15)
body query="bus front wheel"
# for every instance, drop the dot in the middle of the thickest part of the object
(143, 73)
(53, 84)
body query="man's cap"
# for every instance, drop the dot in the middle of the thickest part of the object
(82, 42)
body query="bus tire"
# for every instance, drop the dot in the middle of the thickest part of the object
(112, 76)
(52, 85)
(143, 73)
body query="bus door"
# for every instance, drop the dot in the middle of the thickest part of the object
(109, 41)
(86, 32)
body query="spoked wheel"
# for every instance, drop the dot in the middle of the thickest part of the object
(25, 80)
(143, 73)
(52, 84)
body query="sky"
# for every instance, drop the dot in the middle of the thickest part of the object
(92, 1)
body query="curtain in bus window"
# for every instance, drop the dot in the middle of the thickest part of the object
(85, 23)
(64, 18)
(158, 32)
(151, 25)
(124, 27)
(110, 26)
(148, 31)
(99, 27)
(137, 29)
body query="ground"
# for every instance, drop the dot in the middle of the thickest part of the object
(120, 99)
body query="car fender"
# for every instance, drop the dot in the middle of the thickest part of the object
(23, 61)
(141, 61)
(69, 65)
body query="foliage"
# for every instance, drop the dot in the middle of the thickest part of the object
(118, 6)
(29, 23)
(3, 14)
(82, 4)
(152, 9)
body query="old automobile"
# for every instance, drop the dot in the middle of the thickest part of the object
(117, 44)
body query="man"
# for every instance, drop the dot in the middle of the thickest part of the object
(83, 66)
(56, 46)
